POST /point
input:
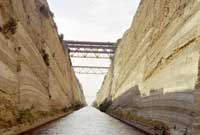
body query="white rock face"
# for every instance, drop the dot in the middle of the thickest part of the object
(160, 52)
(36, 77)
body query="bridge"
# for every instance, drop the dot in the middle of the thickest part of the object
(90, 69)
(90, 49)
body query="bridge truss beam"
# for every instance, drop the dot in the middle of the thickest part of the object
(90, 70)
(86, 49)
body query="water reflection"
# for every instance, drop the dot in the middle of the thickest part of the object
(87, 121)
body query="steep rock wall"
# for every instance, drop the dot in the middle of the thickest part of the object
(36, 77)
(159, 58)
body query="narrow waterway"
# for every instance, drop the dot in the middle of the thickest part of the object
(87, 121)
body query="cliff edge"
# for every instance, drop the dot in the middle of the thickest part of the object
(153, 81)
(37, 82)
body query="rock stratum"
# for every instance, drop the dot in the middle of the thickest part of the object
(154, 78)
(37, 82)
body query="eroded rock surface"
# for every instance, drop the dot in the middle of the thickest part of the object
(36, 77)
(155, 72)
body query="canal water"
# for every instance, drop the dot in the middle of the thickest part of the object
(87, 121)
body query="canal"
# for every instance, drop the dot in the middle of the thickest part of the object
(87, 121)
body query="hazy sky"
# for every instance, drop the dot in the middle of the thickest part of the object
(93, 20)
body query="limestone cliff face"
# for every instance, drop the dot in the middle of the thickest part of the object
(36, 77)
(159, 58)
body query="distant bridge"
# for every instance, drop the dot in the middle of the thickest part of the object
(90, 70)
(88, 49)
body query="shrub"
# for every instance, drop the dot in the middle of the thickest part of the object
(94, 104)
(77, 106)
(132, 116)
(18, 68)
(46, 11)
(24, 116)
(65, 109)
(9, 27)
(105, 105)
(45, 57)
(61, 38)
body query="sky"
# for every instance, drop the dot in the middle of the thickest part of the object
(93, 20)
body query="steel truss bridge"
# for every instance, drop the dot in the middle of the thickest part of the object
(90, 70)
(88, 49)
